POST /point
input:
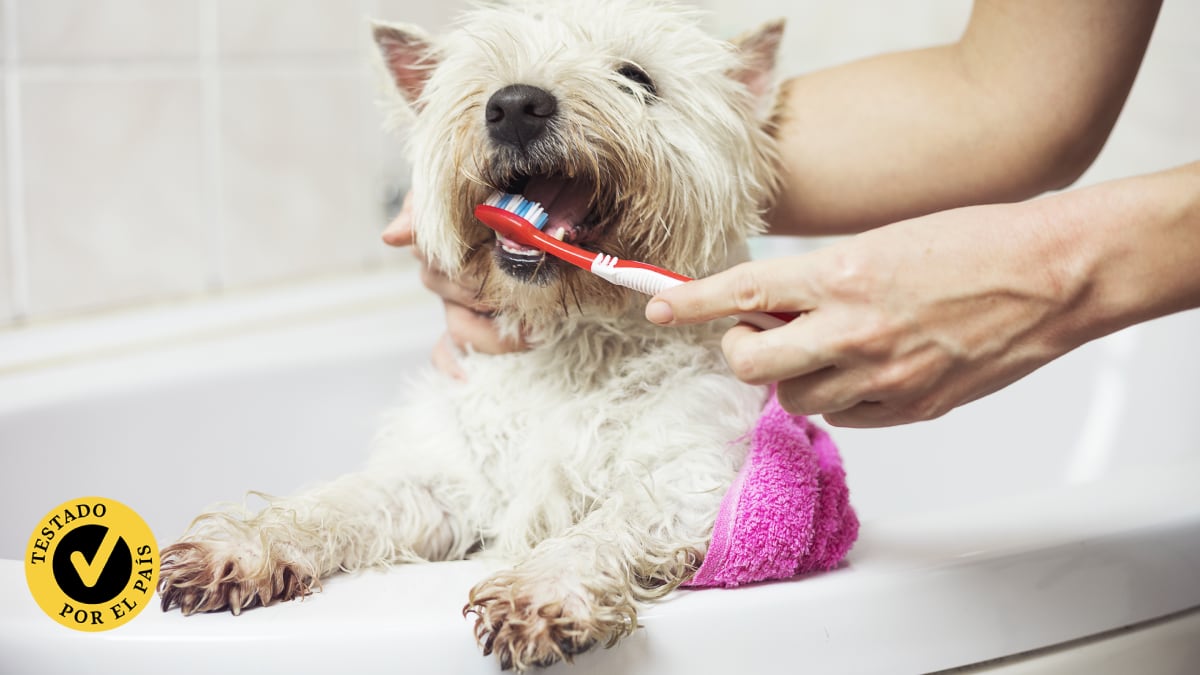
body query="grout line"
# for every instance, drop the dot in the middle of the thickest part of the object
(18, 241)
(213, 194)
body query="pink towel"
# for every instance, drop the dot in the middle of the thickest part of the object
(787, 513)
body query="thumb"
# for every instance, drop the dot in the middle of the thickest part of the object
(399, 232)
(761, 286)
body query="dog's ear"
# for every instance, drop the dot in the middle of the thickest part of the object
(409, 56)
(757, 51)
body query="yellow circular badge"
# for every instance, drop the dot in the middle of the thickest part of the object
(92, 564)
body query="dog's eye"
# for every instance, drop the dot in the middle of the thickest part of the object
(638, 77)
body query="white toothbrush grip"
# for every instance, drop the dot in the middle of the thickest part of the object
(649, 282)
(641, 280)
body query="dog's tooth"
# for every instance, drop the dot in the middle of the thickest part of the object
(560, 233)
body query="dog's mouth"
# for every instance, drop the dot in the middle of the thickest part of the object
(570, 204)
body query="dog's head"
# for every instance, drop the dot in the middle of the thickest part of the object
(641, 135)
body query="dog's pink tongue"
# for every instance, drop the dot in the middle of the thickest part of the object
(565, 201)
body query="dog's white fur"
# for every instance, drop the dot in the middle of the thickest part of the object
(595, 462)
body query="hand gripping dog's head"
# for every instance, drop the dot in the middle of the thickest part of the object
(641, 135)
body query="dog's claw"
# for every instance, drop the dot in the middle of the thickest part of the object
(523, 633)
(197, 578)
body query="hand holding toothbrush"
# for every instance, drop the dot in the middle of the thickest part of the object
(908, 321)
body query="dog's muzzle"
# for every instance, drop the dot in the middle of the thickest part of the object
(519, 121)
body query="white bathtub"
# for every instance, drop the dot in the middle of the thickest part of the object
(1064, 507)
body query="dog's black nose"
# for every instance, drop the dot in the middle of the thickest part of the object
(518, 114)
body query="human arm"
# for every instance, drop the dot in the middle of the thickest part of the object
(1020, 104)
(906, 322)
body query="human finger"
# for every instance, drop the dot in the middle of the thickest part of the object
(445, 358)
(829, 390)
(472, 330)
(890, 413)
(399, 232)
(760, 286)
(866, 415)
(762, 357)
(451, 290)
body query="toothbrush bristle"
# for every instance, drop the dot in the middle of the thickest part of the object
(526, 208)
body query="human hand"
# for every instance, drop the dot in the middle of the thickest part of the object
(468, 321)
(899, 324)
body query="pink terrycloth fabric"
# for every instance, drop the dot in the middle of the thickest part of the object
(787, 513)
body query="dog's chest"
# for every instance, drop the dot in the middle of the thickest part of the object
(528, 415)
(547, 415)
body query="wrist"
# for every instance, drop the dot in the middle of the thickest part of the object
(1128, 250)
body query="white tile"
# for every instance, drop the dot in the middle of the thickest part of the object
(291, 27)
(58, 31)
(300, 186)
(432, 16)
(112, 192)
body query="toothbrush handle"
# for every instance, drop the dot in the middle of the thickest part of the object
(641, 277)
(650, 280)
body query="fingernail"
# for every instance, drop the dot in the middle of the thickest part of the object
(660, 312)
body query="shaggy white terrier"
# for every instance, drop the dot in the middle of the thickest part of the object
(594, 462)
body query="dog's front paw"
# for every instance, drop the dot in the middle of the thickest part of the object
(208, 577)
(529, 623)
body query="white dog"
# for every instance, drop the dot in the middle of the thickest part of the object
(594, 462)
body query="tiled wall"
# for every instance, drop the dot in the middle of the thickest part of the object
(159, 149)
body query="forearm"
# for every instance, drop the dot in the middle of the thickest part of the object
(1130, 250)
(1020, 104)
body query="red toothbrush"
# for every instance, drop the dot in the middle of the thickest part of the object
(520, 220)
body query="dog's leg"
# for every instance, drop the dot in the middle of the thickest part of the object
(230, 561)
(582, 588)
